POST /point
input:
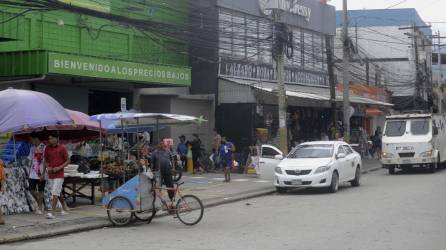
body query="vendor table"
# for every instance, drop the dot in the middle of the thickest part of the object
(74, 185)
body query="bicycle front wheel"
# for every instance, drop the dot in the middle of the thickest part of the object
(189, 210)
(120, 211)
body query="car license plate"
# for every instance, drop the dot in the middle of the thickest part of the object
(406, 161)
(296, 182)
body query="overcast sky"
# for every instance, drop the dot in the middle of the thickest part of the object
(429, 10)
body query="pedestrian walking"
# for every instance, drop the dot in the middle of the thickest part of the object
(377, 143)
(196, 152)
(182, 151)
(2, 188)
(56, 159)
(37, 179)
(226, 157)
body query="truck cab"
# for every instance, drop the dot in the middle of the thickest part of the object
(413, 140)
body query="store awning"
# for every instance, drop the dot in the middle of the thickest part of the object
(302, 94)
(374, 112)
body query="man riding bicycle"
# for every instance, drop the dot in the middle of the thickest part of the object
(161, 160)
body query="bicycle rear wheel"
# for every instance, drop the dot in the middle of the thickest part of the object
(148, 214)
(120, 211)
(189, 210)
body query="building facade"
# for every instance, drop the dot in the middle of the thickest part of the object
(86, 62)
(242, 75)
(89, 55)
(391, 48)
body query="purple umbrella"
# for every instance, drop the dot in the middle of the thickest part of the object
(24, 110)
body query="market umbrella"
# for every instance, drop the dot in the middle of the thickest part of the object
(82, 129)
(25, 110)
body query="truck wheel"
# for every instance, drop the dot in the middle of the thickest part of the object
(391, 169)
(433, 167)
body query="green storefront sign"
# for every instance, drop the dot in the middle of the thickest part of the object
(101, 68)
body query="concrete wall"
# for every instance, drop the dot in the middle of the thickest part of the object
(184, 105)
(75, 98)
(197, 108)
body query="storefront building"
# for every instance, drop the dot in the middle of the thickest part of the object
(89, 63)
(244, 78)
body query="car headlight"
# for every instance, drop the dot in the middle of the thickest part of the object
(387, 155)
(322, 169)
(278, 170)
(427, 154)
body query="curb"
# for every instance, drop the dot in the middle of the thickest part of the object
(371, 170)
(99, 223)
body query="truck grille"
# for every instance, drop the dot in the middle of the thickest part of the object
(301, 172)
(406, 155)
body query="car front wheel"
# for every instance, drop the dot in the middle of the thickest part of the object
(357, 181)
(334, 185)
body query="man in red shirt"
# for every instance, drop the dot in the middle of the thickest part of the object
(56, 159)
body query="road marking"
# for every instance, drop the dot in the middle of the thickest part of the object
(263, 181)
(241, 180)
(218, 179)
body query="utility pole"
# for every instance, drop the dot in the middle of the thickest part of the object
(440, 76)
(330, 64)
(346, 73)
(418, 95)
(417, 67)
(281, 92)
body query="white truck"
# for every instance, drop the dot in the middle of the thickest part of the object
(414, 140)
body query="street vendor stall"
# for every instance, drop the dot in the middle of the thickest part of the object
(24, 110)
(123, 165)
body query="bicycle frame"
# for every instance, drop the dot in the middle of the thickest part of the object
(158, 189)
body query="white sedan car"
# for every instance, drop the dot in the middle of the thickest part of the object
(322, 164)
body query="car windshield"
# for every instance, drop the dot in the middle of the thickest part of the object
(419, 127)
(312, 151)
(395, 128)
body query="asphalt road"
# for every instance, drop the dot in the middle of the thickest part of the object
(405, 211)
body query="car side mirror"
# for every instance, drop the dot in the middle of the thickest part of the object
(278, 157)
(341, 156)
(435, 130)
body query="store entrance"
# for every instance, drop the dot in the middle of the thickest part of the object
(107, 101)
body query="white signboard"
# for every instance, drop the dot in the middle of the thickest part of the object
(123, 104)
(291, 6)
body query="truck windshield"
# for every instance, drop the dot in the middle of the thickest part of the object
(419, 127)
(395, 128)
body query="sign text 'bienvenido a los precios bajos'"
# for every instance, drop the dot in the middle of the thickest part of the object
(118, 70)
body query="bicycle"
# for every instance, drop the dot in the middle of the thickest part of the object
(121, 210)
(206, 163)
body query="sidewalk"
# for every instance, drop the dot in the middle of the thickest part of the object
(210, 188)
